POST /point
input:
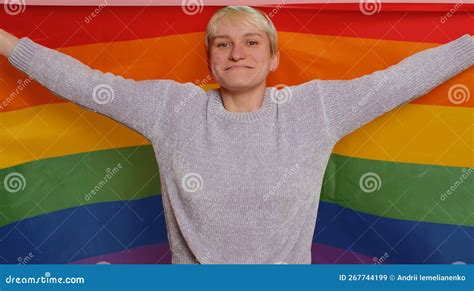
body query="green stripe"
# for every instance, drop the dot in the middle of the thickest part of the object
(58, 183)
(408, 191)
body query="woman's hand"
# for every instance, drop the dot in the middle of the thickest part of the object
(7, 42)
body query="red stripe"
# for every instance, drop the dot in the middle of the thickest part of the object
(62, 26)
(420, 7)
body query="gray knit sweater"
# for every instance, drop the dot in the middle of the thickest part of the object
(243, 187)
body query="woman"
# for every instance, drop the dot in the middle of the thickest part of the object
(241, 166)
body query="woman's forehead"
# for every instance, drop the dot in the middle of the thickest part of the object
(237, 27)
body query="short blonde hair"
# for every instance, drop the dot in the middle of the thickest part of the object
(254, 16)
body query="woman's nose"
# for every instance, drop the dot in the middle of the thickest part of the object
(237, 53)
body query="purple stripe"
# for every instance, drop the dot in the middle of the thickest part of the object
(325, 254)
(151, 254)
(159, 254)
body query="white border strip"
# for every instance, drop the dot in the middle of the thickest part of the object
(208, 2)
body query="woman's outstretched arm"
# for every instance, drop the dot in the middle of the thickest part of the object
(7, 42)
(137, 104)
(349, 104)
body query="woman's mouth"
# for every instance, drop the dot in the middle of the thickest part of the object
(238, 67)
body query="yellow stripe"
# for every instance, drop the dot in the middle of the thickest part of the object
(421, 134)
(55, 130)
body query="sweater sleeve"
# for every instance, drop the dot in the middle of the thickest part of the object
(137, 104)
(349, 104)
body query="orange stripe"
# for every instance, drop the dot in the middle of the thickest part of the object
(303, 57)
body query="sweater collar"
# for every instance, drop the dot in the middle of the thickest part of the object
(265, 110)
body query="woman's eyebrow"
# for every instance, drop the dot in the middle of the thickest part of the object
(221, 36)
(253, 34)
(247, 34)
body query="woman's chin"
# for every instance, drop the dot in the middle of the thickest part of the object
(237, 84)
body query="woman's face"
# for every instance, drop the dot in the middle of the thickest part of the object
(239, 56)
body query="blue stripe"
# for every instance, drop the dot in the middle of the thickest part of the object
(92, 230)
(81, 232)
(404, 241)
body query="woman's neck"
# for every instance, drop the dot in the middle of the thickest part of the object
(243, 101)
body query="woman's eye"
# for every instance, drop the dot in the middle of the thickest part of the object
(226, 44)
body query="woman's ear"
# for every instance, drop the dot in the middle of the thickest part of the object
(275, 61)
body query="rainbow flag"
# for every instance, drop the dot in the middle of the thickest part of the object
(398, 190)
